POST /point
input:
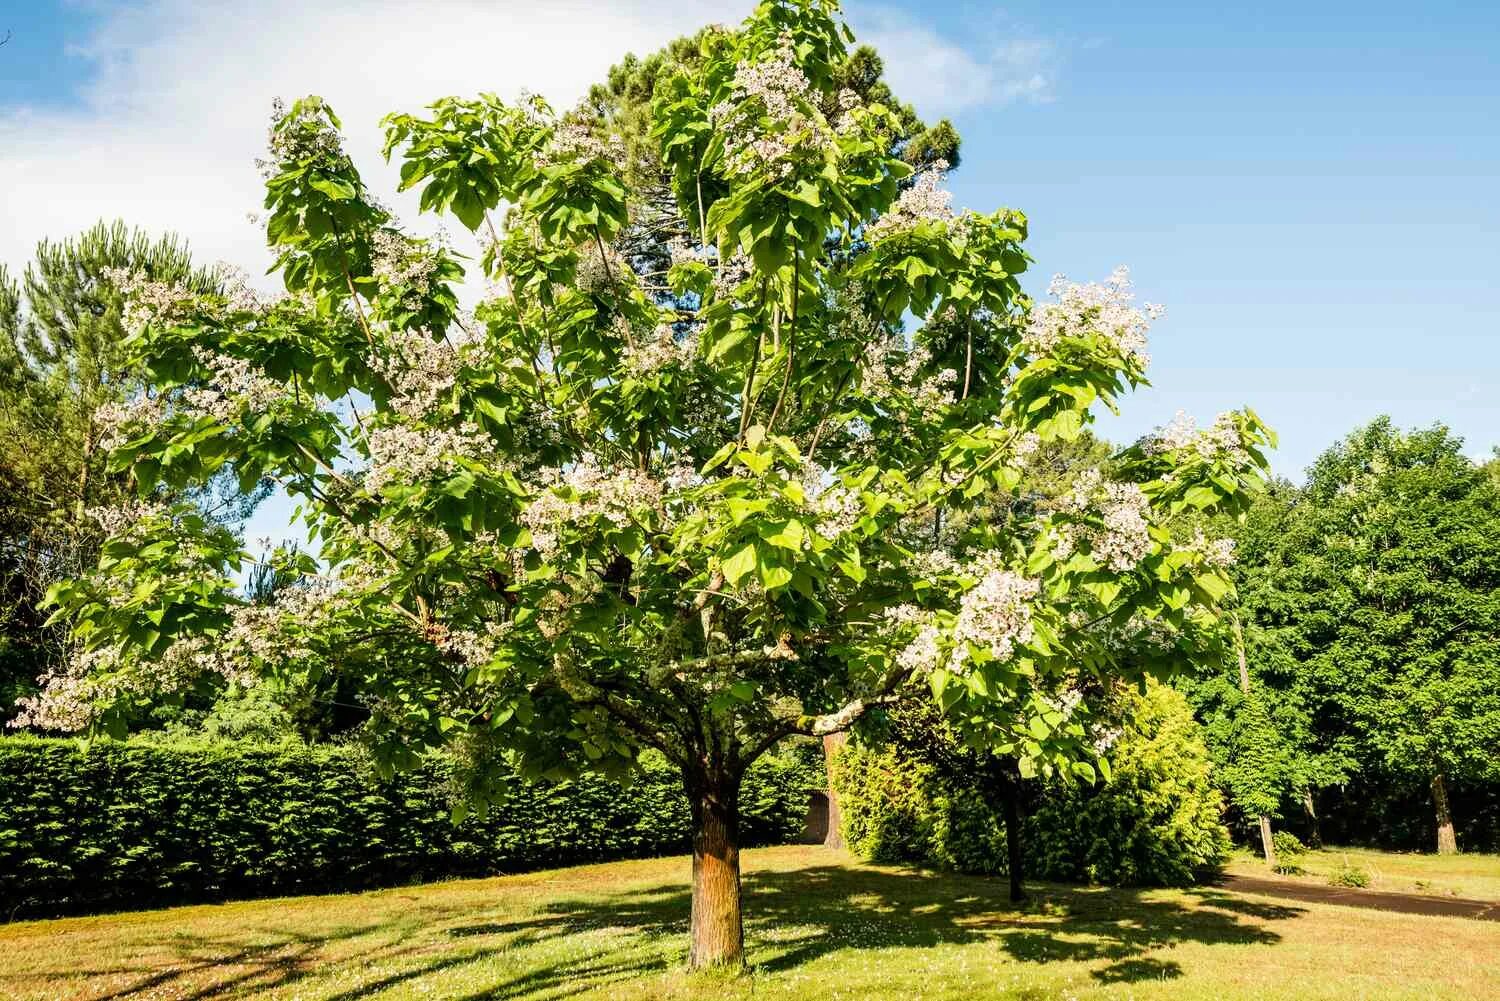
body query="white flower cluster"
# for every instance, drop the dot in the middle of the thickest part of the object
(72, 694)
(307, 140)
(239, 296)
(575, 142)
(1104, 738)
(616, 495)
(923, 651)
(70, 691)
(419, 370)
(663, 349)
(680, 252)
(597, 275)
(995, 614)
(731, 274)
(1220, 440)
(236, 388)
(924, 201)
(150, 302)
(119, 422)
(475, 647)
(929, 564)
(1123, 539)
(400, 454)
(114, 519)
(774, 89)
(1064, 703)
(848, 101)
(1214, 552)
(882, 380)
(400, 263)
(1104, 310)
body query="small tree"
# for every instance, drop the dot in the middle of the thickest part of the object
(698, 507)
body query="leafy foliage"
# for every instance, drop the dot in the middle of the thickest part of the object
(1155, 822)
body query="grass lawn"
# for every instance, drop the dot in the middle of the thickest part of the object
(819, 926)
(1474, 876)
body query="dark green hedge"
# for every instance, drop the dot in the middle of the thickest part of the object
(137, 824)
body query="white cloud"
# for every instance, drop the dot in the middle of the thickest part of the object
(167, 132)
(941, 77)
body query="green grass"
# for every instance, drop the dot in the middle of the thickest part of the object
(819, 926)
(1474, 876)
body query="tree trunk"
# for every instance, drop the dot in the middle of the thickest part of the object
(833, 743)
(1309, 807)
(718, 934)
(1447, 840)
(1015, 856)
(1267, 845)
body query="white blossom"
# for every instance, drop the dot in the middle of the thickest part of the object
(308, 139)
(575, 142)
(995, 614)
(583, 492)
(235, 388)
(922, 652)
(1081, 310)
(763, 119)
(1122, 539)
(925, 200)
(663, 349)
(400, 454)
(1219, 441)
(420, 370)
(118, 422)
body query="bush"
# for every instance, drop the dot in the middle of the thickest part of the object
(152, 823)
(1156, 822)
(1286, 845)
(1349, 875)
(1288, 849)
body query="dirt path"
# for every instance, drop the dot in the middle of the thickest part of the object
(1399, 903)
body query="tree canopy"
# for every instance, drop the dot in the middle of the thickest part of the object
(695, 496)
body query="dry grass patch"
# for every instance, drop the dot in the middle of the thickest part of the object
(820, 926)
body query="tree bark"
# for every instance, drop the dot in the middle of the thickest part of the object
(1267, 844)
(833, 743)
(1015, 856)
(1309, 807)
(1447, 840)
(718, 936)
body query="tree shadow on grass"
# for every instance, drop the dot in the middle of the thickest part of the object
(795, 917)
(567, 946)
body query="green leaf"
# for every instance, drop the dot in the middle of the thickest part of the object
(784, 534)
(740, 565)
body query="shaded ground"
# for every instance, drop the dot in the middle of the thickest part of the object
(819, 926)
(1398, 903)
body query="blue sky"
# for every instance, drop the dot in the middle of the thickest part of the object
(1310, 188)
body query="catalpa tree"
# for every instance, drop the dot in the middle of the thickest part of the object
(697, 495)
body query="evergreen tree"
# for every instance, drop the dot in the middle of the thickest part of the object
(62, 359)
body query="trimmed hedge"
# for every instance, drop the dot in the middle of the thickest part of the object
(1156, 822)
(116, 824)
